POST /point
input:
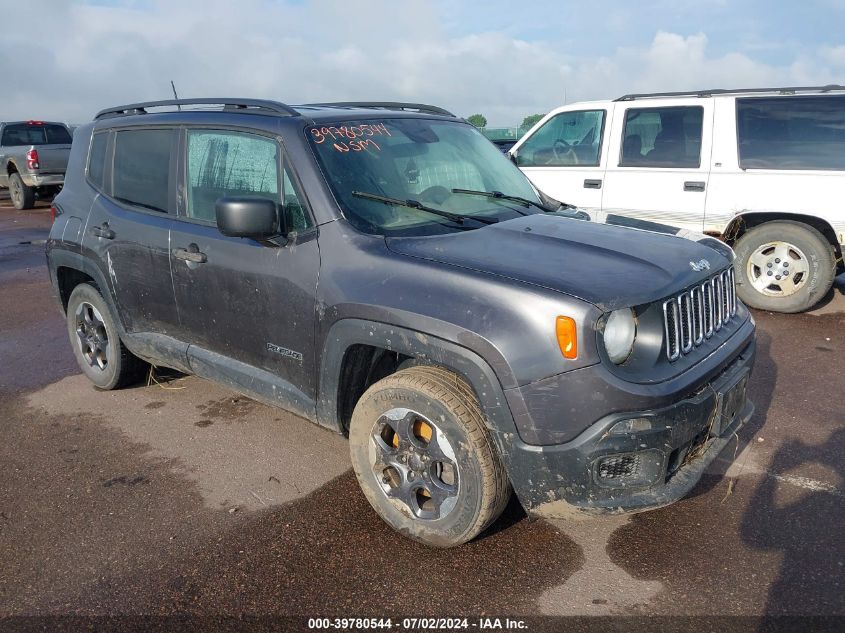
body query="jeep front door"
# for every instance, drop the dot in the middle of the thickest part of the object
(247, 308)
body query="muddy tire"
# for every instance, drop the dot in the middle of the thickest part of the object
(783, 266)
(23, 197)
(96, 344)
(424, 459)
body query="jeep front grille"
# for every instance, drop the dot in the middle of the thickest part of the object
(696, 314)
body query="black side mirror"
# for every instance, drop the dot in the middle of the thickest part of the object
(244, 216)
(512, 156)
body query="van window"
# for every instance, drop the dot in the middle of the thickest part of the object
(791, 132)
(229, 164)
(662, 137)
(97, 159)
(567, 139)
(142, 168)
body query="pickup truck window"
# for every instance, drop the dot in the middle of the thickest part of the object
(142, 168)
(224, 163)
(791, 132)
(568, 139)
(35, 134)
(662, 137)
(421, 160)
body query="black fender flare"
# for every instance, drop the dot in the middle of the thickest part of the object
(423, 346)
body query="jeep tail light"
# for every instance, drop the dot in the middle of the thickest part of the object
(567, 337)
(32, 159)
(55, 212)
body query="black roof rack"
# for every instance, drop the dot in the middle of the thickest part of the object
(722, 91)
(386, 105)
(246, 106)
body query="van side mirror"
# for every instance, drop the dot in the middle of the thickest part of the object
(246, 216)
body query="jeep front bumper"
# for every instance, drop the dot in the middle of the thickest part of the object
(637, 460)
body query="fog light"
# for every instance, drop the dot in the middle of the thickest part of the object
(639, 469)
(634, 425)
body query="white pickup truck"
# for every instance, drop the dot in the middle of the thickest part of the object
(764, 169)
(33, 159)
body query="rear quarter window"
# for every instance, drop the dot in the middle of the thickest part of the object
(97, 159)
(803, 132)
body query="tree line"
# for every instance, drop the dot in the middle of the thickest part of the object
(479, 120)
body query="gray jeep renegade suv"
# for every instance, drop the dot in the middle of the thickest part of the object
(383, 270)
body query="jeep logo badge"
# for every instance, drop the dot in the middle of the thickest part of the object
(701, 264)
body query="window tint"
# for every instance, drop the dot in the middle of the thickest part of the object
(294, 209)
(97, 159)
(565, 140)
(791, 132)
(38, 134)
(662, 137)
(142, 168)
(229, 164)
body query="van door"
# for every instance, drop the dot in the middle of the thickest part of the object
(565, 156)
(660, 162)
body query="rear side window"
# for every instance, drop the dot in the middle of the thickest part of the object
(35, 134)
(224, 163)
(791, 132)
(568, 139)
(141, 172)
(97, 159)
(662, 137)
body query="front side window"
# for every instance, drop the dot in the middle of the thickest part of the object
(804, 132)
(662, 137)
(422, 161)
(222, 164)
(35, 134)
(292, 203)
(141, 172)
(568, 139)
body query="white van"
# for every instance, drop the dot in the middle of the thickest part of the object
(762, 168)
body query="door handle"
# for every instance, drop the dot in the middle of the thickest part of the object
(102, 231)
(694, 185)
(590, 183)
(190, 254)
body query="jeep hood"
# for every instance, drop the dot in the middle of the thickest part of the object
(609, 266)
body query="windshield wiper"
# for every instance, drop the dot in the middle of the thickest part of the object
(498, 195)
(416, 204)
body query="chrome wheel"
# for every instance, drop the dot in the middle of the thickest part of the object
(414, 463)
(778, 269)
(92, 337)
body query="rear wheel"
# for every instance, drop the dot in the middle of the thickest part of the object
(784, 266)
(96, 344)
(424, 459)
(23, 197)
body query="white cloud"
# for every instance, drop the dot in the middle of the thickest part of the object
(88, 57)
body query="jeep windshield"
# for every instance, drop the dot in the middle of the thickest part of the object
(418, 162)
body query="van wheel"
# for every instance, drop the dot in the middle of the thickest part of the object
(96, 344)
(23, 197)
(784, 266)
(423, 458)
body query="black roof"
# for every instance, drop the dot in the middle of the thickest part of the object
(269, 108)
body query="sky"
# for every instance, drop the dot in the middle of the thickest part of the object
(67, 59)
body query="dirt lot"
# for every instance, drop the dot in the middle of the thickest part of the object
(183, 497)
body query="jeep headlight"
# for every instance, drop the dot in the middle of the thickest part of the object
(620, 330)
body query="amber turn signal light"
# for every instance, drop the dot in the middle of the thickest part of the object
(567, 337)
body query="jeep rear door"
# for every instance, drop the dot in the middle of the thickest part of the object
(659, 164)
(247, 308)
(128, 228)
(566, 155)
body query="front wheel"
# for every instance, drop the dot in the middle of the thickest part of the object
(783, 266)
(423, 458)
